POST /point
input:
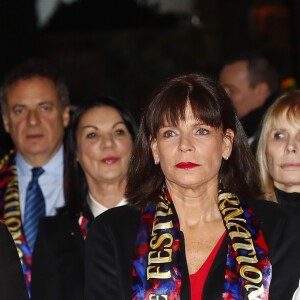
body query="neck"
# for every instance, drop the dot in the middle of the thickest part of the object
(40, 159)
(288, 199)
(107, 194)
(195, 206)
(288, 188)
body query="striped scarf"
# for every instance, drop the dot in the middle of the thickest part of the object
(11, 213)
(156, 269)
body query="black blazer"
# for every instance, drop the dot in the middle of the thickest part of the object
(58, 258)
(111, 239)
(12, 281)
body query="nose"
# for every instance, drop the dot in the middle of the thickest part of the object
(186, 144)
(292, 146)
(33, 118)
(107, 141)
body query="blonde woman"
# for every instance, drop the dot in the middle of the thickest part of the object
(278, 152)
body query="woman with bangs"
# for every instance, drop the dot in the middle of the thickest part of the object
(278, 151)
(193, 227)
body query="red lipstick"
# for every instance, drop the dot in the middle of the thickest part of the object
(186, 165)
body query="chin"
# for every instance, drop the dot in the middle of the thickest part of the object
(36, 150)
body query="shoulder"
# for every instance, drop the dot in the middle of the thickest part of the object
(118, 215)
(267, 210)
(122, 220)
(276, 220)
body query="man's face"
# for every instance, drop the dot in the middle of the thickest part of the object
(35, 119)
(234, 79)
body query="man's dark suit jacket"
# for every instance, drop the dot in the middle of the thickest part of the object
(12, 282)
(6, 180)
(58, 259)
(110, 244)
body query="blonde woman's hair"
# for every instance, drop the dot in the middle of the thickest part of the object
(287, 106)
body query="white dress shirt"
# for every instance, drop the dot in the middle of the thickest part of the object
(51, 182)
(98, 208)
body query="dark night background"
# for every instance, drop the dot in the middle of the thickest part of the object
(125, 48)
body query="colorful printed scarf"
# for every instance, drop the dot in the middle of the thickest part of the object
(156, 268)
(84, 225)
(11, 213)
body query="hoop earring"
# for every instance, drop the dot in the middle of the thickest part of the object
(156, 161)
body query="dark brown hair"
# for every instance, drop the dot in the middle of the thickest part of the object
(34, 67)
(211, 105)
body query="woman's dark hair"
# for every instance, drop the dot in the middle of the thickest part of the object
(211, 105)
(77, 188)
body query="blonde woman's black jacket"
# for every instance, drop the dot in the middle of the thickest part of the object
(111, 240)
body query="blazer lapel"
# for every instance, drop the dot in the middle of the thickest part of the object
(75, 232)
(214, 284)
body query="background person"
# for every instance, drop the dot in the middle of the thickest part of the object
(180, 237)
(252, 84)
(278, 151)
(100, 141)
(34, 103)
